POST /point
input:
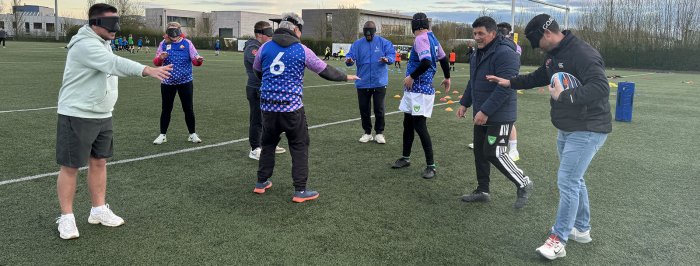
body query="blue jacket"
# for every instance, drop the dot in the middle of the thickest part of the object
(373, 73)
(498, 103)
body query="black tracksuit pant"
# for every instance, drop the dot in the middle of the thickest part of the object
(491, 147)
(419, 124)
(367, 97)
(294, 125)
(255, 119)
(186, 93)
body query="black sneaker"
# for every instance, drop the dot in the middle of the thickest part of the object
(477, 196)
(401, 163)
(429, 172)
(523, 195)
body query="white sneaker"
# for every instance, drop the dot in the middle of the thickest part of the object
(581, 237)
(552, 248)
(279, 150)
(255, 154)
(160, 139)
(194, 138)
(105, 216)
(66, 227)
(471, 146)
(514, 155)
(380, 139)
(366, 138)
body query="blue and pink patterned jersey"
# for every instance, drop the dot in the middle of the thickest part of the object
(182, 55)
(426, 46)
(282, 87)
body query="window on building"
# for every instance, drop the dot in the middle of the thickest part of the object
(226, 32)
(329, 25)
(50, 27)
(2, 24)
(396, 30)
(184, 21)
(14, 25)
(38, 26)
(26, 27)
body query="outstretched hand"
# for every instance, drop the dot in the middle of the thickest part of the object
(501, 81)
(159, 73)
(353, 77)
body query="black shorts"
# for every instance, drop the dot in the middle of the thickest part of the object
(78, 139)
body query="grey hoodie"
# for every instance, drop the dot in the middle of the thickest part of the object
(90, 82)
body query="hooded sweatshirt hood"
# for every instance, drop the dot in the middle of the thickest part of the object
(285, 37)
(85, 32)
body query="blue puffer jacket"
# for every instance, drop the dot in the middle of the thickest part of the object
(498, 103)
(373, 73)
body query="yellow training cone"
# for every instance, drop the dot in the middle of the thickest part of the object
(455, 92)
(450, 102)
(612, 85)
(437, 92)
(448, 109)
(397, 96)
(448, 97)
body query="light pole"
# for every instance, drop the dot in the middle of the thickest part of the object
(55, 25)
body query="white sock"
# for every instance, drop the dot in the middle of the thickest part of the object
(98, 209)
(68, 216)
(513, 145)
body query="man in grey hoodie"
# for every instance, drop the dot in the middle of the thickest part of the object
(85, 104)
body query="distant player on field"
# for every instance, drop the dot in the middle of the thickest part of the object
(139, 44)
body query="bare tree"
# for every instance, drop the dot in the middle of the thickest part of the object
(88, 4)
(17, 19)
(130, 12)
(205, 28)
(346, 23)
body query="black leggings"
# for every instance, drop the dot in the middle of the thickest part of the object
(419, 125)
(186, 93)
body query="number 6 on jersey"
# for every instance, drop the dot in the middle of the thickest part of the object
(277, 64)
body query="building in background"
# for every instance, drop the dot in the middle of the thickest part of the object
(36, 21)
(345, 25)
(224, 24)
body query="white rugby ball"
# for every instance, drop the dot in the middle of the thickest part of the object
(566, 80)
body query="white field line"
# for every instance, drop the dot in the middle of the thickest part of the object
(27, 110)
(54, 107)
(158, 155)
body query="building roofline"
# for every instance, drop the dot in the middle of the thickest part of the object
(365, 11)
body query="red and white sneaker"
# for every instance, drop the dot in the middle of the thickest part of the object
(553, 248)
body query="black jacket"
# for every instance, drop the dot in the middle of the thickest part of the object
(586, 108)
(498, 103)
(249, 51)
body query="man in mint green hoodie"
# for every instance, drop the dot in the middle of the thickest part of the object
(85, 104)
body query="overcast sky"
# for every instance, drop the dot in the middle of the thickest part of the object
(452, 10)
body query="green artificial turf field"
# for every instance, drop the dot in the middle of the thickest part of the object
(197, 206)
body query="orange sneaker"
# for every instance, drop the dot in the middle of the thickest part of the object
(261, 187)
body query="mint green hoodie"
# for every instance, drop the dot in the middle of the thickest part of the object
(90, 82)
